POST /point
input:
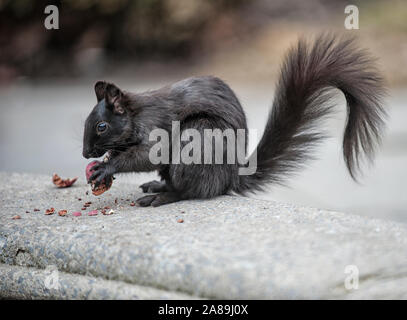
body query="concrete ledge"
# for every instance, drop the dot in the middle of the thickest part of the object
(30, 283)
(228, 247)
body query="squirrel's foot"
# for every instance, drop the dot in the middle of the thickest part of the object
(156, 200)
(154, 187)
(146, 200)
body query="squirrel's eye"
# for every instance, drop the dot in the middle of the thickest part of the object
(101, 127)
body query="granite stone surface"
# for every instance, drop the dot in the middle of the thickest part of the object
(227, 247)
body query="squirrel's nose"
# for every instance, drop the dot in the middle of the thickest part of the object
(86, 154)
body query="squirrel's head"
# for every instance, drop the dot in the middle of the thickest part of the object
(105, 127)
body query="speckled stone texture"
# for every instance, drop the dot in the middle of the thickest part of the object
(30, 283)
(228, 247)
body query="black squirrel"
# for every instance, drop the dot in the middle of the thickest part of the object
(121, 121)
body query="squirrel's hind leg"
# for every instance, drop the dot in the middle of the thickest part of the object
(165, 198)
(156, 200)
(146, 200)
(154, 187)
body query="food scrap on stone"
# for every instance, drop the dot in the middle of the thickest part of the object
(180, 220)
(16, 217)
(104, 186)
(62, 183)
(62, 213)
(49, 211)
(107, 212)
(93, 213)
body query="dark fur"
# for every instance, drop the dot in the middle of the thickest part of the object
(308, 75)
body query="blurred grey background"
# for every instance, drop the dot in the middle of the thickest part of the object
(47, 78)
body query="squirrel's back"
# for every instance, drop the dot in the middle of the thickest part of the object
(207, 96)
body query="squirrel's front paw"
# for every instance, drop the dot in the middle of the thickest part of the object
(101, 172)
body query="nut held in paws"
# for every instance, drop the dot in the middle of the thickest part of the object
(104, 186)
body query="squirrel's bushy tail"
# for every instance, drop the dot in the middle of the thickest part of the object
(309, 73)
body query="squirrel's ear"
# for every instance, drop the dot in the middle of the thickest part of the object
(100, 89)
(113, 98)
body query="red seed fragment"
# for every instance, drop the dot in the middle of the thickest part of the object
(62, 183)
(115, 201)
(62, 213)
(79, 199)
(36, 210)
(16, 217)
(76, 214)
(107, 207)
(180, 220)
(132, 204)
(83, 208)
(93, 213)
(49, 211)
